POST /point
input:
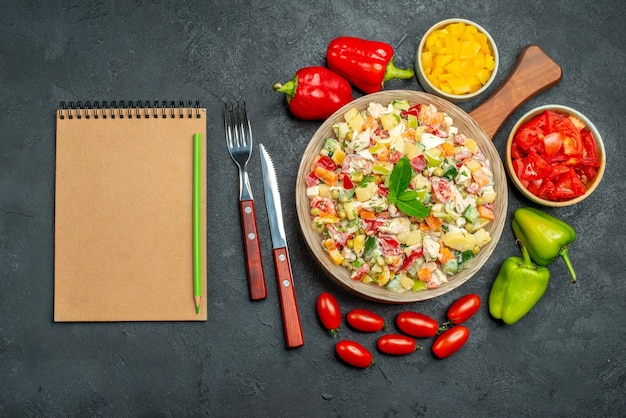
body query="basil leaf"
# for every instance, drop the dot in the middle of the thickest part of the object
(406, 200)
(399, 179)
(413, 208)
(408, 195)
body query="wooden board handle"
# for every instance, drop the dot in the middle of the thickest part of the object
(534, 72)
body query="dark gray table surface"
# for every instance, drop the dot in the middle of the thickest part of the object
(566, 358)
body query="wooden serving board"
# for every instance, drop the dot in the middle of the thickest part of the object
(533, 73)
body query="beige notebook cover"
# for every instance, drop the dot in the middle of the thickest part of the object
(123, 215)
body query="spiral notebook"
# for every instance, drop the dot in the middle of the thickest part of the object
(123, 212)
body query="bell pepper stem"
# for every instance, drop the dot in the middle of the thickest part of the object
(565, 255)
(526, 260)
(289, 88)
(394, 72)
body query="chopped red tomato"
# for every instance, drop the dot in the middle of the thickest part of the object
(586, 173)
(572, 142)
(589, 155)
(518, 167)
(534, 186)
(546, 189)
(552, 143)
(535, 167)
(553, 157)
(516, 151)
(558, 169)
(531, 133)
(568, 186)
(572, 146)
(527, 138)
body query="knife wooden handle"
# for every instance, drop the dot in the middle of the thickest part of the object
(534, 72)
(289, 306)
(254, 263)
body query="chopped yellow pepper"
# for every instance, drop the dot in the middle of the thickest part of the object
(457, 59)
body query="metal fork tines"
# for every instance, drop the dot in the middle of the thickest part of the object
(239, 142)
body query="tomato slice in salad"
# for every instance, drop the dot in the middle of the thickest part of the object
(347, 182)
(324, 161)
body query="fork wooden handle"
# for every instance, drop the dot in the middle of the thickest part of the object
(254, 263)
(288, 304)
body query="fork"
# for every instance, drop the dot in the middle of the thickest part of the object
(239, 142)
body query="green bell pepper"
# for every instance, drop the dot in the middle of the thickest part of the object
(520, 284)
(544, 236)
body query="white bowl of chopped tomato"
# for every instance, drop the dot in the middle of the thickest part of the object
(457, 59)
(555, 156)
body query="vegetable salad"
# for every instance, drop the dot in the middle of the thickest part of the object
(400, 196)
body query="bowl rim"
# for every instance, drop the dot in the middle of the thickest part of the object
(599, 148)
(312, 239)
(430, 88)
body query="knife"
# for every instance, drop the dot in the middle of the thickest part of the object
(284, 276)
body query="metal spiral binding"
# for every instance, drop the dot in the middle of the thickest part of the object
(140, 109)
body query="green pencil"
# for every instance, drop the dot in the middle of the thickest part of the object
(197, 223)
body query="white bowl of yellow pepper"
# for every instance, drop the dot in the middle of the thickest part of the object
(457, 59)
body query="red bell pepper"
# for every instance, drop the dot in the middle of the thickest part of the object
(364, 63)
(315, 93)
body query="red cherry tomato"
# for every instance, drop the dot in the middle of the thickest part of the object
(329, 312)
(354, 354)
(396, 344)
(450, 341)
(365, 321)
(417, 324)
(463, 308)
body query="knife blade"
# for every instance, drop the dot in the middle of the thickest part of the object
(284, 276)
